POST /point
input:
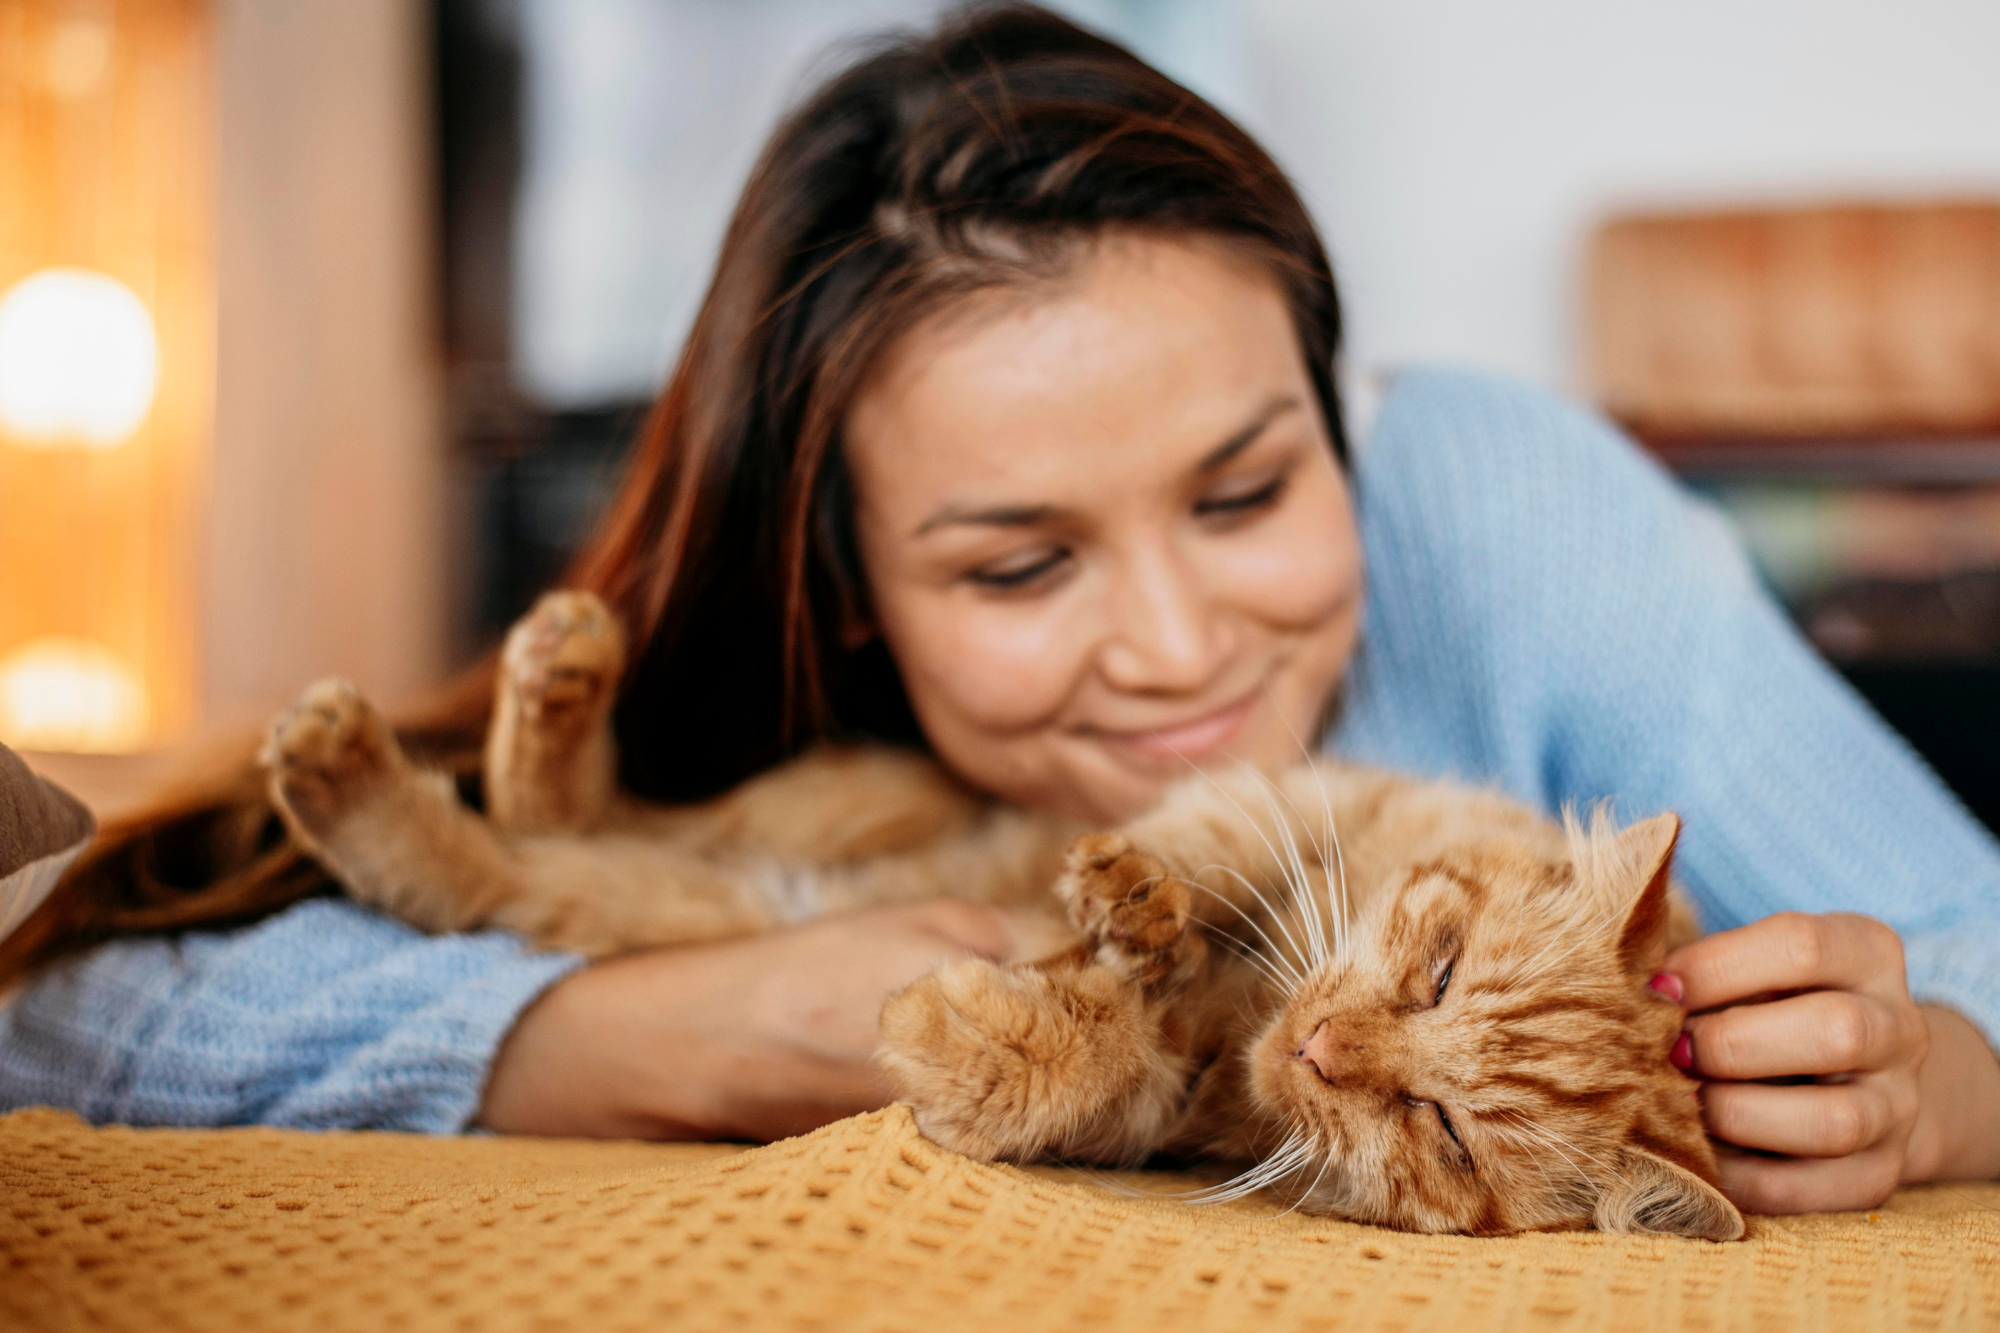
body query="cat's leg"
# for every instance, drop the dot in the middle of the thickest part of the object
(551, 763)
(395, 835)
(1077, 1057)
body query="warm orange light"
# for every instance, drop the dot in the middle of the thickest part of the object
(106, 363)
(68, 694)
(78, 358)
(79, 56)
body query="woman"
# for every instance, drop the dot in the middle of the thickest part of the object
(1009, 428)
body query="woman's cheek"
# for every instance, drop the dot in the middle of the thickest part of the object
(996, 666)
(1299, 573)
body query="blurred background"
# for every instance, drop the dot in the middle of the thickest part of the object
(324, 324)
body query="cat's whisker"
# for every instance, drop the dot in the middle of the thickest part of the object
(1292, 867)
(1560, 1144)
(1250, 956)
(1258, 896)
(1325, 1162)
(1256, 1177)
(1534, 1150)
(1337, 909)
(1295, 1152)
(1258, 830)
(1296, 976)
(1308, 904)
(1534, 1140)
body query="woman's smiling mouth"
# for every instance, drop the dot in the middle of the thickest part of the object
(1194, 739)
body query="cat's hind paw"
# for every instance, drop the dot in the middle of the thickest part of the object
(328, 754)
(1134, 913)
(564, 656)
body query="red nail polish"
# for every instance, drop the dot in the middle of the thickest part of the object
(1667, 984)
(1682, 1054)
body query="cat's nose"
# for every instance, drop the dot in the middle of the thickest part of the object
(1318, 1052)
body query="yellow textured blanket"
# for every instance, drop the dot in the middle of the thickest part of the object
(863, 1225)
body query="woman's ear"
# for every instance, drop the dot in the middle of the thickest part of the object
(1647, 848)
(1652, 1196)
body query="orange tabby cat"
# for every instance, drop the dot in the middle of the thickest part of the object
(1404, 1002)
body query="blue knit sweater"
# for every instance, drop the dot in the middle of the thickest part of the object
(1546, 612)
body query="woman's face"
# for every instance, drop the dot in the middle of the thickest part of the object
(1103, 529)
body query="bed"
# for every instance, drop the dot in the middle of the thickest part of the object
(862, 1225)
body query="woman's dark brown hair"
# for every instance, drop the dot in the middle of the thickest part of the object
(976, 156)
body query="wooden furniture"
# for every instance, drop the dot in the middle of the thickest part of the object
(1851, 323)
(1831, 375)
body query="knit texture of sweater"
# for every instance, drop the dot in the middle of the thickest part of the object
(1547, 612)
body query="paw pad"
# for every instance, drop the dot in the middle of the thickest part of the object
(1125, 898)
(326, 749)
(564, 653)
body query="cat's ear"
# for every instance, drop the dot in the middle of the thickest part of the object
(1652, 1196)
(1646, 850)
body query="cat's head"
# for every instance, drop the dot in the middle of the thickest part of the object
(1486, 1055)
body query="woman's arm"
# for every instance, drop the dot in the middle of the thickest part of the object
(331, 1016)
(1551, 612)
(323, 1016)
(753, 1039)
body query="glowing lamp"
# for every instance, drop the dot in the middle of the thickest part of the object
(69, 694)
(106, 360)
(78, 358)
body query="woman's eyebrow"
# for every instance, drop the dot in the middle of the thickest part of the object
(998, 516)
(1025, 516)
(1244, 438)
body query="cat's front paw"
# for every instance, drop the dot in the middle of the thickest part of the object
(328, 754)
(1020, 1063)
(564, 656)
(1134, 913)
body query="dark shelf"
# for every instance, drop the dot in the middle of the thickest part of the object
(1951, 714)
(1910, 461)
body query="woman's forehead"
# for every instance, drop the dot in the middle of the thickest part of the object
(1149, 357)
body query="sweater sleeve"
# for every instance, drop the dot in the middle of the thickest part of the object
(324, 1016)
(1550, 612)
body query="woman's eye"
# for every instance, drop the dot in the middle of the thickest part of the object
(1242, 502)
(1008, 576)
(1444, 980)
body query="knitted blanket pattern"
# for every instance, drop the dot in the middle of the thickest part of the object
(862, 1225)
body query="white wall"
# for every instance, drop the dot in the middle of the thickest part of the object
(1457, 152)
(325, 551)
(643, 120)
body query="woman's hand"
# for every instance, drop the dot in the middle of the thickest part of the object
(1889, 1092)
(752, 1039)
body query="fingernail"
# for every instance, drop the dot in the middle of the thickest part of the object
(1667, 984)
(1682, 1054)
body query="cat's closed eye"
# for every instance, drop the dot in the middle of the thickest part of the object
(1444, 980)
(1460, 1158)
(1464, 1158)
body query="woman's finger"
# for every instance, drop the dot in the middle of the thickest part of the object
(1821, 1032)
(1786, 952)
(1808, 1184)
(1825, 1120)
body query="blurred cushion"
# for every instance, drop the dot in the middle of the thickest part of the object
(42, 829)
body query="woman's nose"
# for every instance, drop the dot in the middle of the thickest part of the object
(1165, 637)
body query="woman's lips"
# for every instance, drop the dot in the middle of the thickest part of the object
(1188, 740)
